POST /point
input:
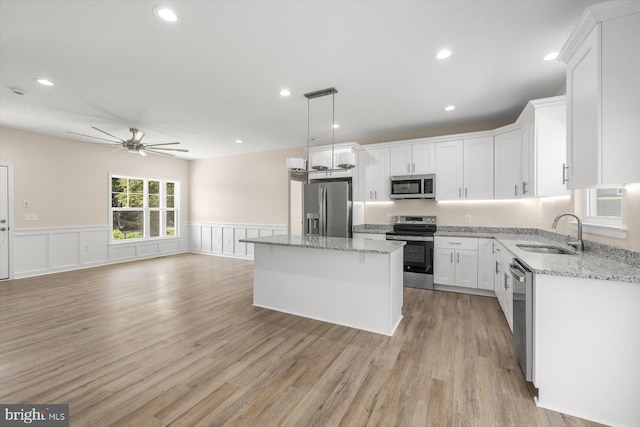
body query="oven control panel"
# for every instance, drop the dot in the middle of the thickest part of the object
(418, 220)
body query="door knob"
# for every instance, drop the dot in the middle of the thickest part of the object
(3, 228)
(2, 221)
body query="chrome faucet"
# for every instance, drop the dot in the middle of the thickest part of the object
(578, 244)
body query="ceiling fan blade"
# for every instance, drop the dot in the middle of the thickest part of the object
(137, 135)
(107, 133)
(158, 152)
(161, 143)
(95, 137)
(182, 150)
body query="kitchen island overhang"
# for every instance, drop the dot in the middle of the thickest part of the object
(350, 282)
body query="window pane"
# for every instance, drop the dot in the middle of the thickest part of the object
(154, 187)
(171, 188)
(154, 201)
(170, 203)
(154, 194)
(154, 219)
(171, 227)
(128, 225)
(136, 186)
(608, 202)
(118, 192)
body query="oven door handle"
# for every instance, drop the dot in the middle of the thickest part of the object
(410, 238)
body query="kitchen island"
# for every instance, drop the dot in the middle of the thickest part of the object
(350, 282)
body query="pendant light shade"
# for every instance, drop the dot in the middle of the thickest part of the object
(295, 164)
(347, 160)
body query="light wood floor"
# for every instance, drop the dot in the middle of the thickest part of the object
(176, 341)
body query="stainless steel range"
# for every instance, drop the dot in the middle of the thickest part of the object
(417, 231)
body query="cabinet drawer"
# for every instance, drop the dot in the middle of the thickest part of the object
(370, 236)
(456, 243)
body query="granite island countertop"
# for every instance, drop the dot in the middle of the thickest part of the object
(586, 264)
(329, 243)
(372, 228)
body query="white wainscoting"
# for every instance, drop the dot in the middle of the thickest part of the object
(222, 239)
(50, 250)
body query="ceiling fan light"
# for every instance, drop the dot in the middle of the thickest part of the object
(142, 153)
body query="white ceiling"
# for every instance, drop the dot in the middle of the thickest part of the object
(214, 77)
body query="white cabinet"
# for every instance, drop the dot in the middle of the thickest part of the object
(508, 164)
(603, 101)
(417, 158)
(449, 170)
(465, 169)
(486, 264)
(478, 168)
(456, 261)
(544, 147)
(374, 173)
(503, 285)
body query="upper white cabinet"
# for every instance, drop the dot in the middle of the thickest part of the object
(449, 170)
(465, 169)
(417, 158)
(544, 135)
(508, 165)
(603, 96)
(373, 171)
(478, 168)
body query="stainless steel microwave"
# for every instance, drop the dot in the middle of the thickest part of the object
(413, 187)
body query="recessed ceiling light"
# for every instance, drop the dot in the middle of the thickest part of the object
(443, 54)
(165, 14)
(285, 92)
(551, 56)
(238, 141)
(449, 108)
(45, 82)
(335, 126)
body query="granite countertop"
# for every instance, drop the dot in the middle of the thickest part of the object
(330, 243)
(586, 264)
(372, 228)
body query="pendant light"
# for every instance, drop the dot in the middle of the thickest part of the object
(345, 160)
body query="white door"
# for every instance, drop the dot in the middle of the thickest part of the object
(424, 158)
(449, 170)
(478, 168)
(466, 268)
(443, 267)
(4, 222)
(400, 160)
(508, 165)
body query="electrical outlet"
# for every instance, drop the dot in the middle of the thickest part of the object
(467, 219)
(363, 258)
(31, 217)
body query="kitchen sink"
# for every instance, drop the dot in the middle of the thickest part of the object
(542, 249)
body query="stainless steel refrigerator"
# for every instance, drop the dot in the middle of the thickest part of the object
(327, 208)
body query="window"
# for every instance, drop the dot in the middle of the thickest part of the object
(605, 211)
(143, 208)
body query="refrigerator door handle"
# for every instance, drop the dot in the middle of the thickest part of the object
(323, 211)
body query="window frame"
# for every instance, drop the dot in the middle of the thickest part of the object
(606, 226)
(146, 209)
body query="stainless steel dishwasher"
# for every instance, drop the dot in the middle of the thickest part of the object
(523, 316)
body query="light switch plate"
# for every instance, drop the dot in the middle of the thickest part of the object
(31, 217)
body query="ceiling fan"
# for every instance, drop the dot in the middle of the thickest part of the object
(133, 144)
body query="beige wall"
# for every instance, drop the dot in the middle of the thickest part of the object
(247, 189)
(67, 182)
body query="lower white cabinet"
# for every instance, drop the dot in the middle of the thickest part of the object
(456, 261)
(486, 262)
(503, 285)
